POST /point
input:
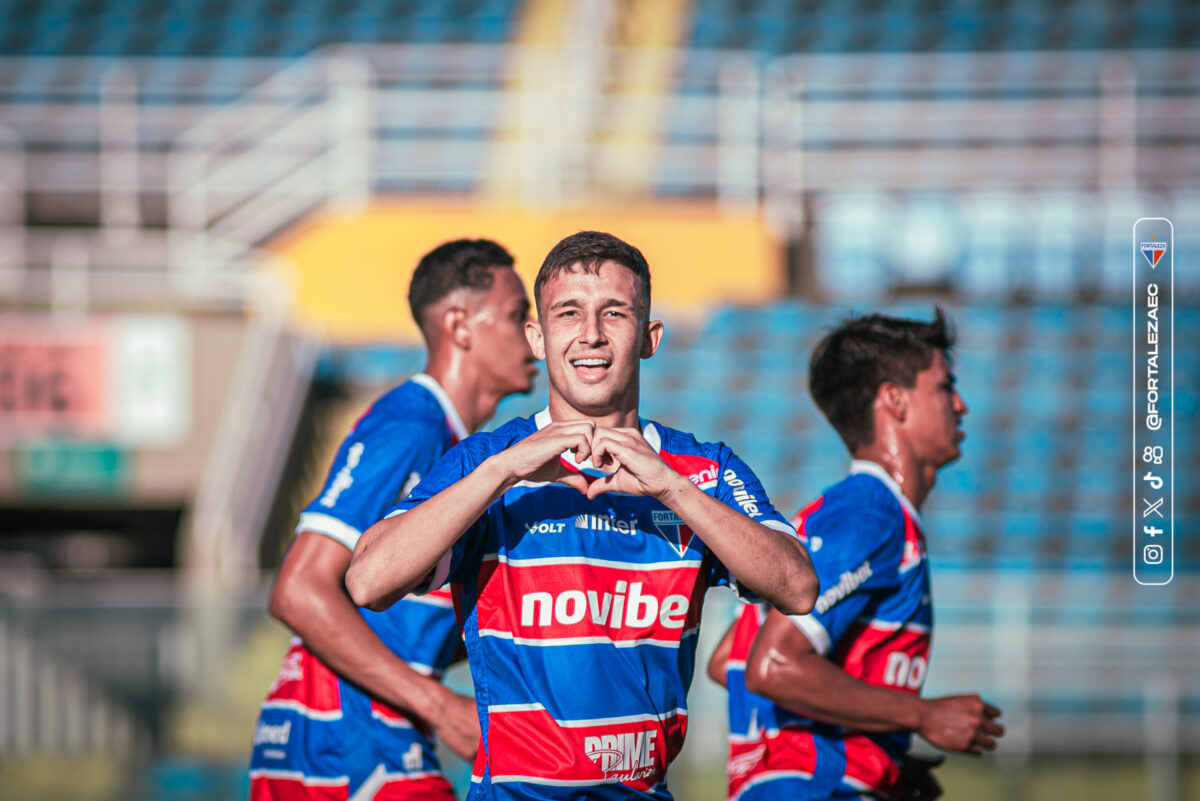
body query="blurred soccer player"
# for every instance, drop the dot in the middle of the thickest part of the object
(358, 699)
(580, 542)
(823, 705)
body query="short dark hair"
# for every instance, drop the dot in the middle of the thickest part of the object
(854, 359)
(590, 249)
(461, 264)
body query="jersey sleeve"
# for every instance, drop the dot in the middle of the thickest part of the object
(376, 465)
(456, 464)
(739, 488)
(856, 552)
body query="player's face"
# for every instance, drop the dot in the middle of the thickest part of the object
(592, 335)
(935, 413)
(498, 343)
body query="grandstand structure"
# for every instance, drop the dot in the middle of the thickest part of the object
(166, 166)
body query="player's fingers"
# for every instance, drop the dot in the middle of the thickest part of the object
(601, 486)
(991, 727)
(581, 446)
(986, 742)
(575, 481)
(992, 711)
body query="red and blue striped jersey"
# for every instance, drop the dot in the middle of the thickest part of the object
(873, 618)
(580, 618)
(320, 736)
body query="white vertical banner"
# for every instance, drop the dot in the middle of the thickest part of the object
(1153, 401)
(150, 379)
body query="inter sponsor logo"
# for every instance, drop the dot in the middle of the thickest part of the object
(625, 606)
(266, 734)
(344, 478)
(741, 495)
(624, 757)
(587, 522)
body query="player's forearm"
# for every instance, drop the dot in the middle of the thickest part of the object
(332, 628)
(396, 554)
(816, 688)
(770, 563)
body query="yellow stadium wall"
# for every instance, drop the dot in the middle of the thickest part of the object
(350, 273)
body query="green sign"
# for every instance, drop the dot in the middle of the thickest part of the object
(70, 468)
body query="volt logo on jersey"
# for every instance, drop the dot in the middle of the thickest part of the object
(672, 529)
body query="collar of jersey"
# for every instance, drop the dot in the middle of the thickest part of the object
(876, 469)
(439, 394)
(650, 433)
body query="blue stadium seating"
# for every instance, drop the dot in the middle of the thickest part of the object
(777, 26)
(242, 28)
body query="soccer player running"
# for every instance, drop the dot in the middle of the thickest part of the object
(580, 542)
(358, 699)
(822, 705)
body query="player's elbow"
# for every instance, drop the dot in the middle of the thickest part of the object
(800, 593)
(291, 602)
(716, 670)
(759, 677)
(363, 590)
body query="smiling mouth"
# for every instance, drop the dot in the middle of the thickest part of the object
(591, 367)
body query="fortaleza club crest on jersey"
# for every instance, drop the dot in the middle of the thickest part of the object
(672, 529)
(1153, 251)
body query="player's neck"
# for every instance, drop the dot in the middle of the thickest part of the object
(474, 404)
(914, 479)
(623, 416)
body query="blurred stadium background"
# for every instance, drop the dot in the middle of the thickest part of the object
(208, 215)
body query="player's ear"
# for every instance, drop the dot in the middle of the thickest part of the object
(651, 339)
(535, 338)
(893, 399)
(453, 326)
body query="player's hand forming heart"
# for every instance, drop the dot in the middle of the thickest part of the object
(537, 457)
(629, 464)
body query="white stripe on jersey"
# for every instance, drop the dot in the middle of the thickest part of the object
(429, 600)
(811, 628)
(297, 776)
(535, 707)
(772, 775)
(329, 526)
(884, 625)
(551, 641)
(590, 561)
(296, 706)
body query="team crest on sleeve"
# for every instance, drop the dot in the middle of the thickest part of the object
(671, 528)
